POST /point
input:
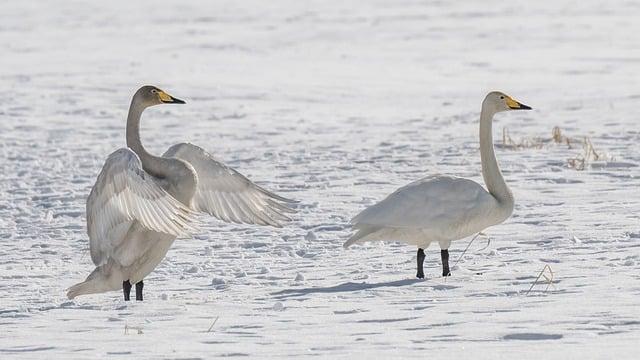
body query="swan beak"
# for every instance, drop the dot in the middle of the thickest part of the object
(514, 105)
(168, 99)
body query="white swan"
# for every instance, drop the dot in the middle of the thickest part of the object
(443, 208)
(140, 203)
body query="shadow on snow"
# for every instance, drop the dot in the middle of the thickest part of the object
(351, 286)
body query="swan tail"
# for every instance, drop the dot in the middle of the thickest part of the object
(85, 287)
(98, 281)
(360, 236)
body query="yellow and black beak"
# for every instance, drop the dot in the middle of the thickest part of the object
(514, 105)
(168, 99)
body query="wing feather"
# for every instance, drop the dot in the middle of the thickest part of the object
(124, 193)
(229, 195)
(432, 202)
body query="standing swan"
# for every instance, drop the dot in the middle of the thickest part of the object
(140, 203)
(443, 208)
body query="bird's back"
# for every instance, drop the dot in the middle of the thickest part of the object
(437, 207)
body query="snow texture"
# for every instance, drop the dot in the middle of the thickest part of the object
(335, 104)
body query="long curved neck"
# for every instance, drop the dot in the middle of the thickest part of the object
(490, 169)
(154, 165)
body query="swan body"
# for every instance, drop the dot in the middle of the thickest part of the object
(458, 208)
(442, 208)
(141, 203)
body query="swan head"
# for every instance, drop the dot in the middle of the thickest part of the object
(150, 95)
(497, 101)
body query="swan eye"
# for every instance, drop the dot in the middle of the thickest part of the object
(502, 97)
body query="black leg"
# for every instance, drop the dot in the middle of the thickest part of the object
(126, 289)
(421, 256)
(445, 262)
(139, 286)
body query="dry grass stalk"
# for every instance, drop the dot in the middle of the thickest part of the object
(558, 138)
(127, 327)
(589, 154)
(214, 322)
(578, 162)
(524, 143)
(467, 248)
(542, 273)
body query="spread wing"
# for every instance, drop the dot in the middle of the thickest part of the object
(227, 194)
(430, 203)
(125, 193)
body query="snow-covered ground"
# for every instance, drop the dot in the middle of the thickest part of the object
(335, 104)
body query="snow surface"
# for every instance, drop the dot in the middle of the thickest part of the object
(336, 104)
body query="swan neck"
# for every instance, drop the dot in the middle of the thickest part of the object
(150, 163)
(490, 169)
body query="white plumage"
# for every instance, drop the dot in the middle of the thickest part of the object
(436, 208)
(124, 194)
(443, 208)
(140, 203)
(228, 195)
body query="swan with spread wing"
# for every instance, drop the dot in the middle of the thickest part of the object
(141, 203)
